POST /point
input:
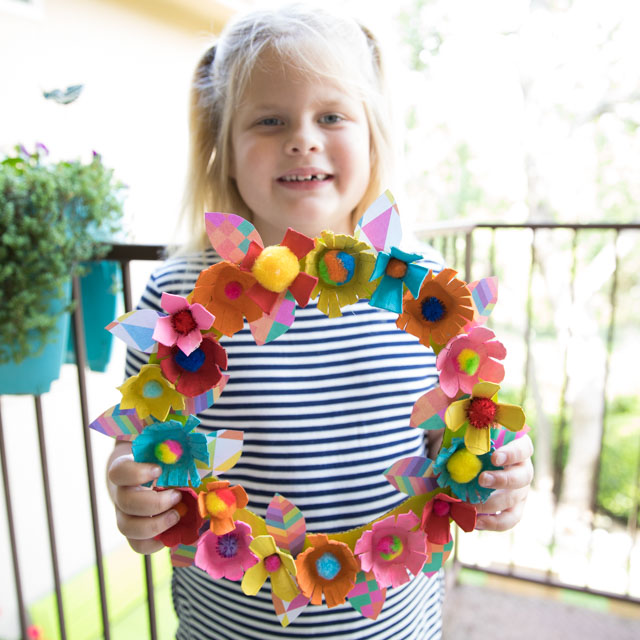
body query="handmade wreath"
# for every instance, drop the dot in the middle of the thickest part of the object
(184, 377)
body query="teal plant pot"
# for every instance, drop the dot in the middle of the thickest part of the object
(33, 376)
(100, 287)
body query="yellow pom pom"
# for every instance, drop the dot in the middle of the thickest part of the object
(464, 466)
(276, 268)
(214, 504)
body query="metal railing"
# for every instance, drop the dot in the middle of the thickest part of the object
(457, 245)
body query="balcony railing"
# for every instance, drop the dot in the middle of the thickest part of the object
(561, 287)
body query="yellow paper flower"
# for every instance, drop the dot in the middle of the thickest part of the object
(343, 266)
(150, 393)
(275, 563)
(479, 413)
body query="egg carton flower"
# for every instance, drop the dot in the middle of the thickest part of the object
(457, 468)
(184, 324)
(187, 529)
(479, 413)
(150, 394)
(343, 267)
(196, 373)
(175, 447)
(467, 359)
(327, 567)
(439, 310)
(226, 556)
(272, 563)
(219, 502)
(222, 290)
(391, 548)
(438, 513)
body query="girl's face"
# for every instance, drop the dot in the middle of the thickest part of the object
(300, 152)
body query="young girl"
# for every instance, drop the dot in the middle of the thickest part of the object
(289, 130)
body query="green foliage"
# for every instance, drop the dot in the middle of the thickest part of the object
(52, 216)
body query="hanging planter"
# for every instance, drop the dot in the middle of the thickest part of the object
(51, 215)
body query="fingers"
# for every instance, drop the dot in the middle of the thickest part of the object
(124, 472)
(502, 521)
(144, 528)
(516, 451)
(502, 501)
(513, 477)
(146, 546)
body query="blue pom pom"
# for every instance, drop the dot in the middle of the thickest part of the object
(328, 566)
(432, 309)
(192, 362)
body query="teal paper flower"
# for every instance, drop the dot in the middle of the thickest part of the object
(172, 446)
(457, 468)
(397, 269)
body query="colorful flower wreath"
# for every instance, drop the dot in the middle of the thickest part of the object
(184, 377)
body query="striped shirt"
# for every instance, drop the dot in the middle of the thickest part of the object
(325, 411)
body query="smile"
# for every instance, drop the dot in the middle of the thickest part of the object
(318, 177)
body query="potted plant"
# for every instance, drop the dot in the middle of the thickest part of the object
(52, 216)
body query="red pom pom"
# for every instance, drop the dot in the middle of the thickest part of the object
(481, 412)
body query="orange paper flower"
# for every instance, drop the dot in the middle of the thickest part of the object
(219, 502)
(441, 310)
(221, 290)
(328, 567)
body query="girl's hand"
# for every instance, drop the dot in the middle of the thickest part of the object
(504, 508)
(141, 512)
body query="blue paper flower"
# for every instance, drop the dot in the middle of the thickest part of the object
(396, 269)
(172, 446)
(457, 468)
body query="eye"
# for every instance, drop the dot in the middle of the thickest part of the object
(331, 118)
(270, 122)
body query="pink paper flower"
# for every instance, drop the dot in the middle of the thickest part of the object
(439, 511)
(467, 359)
(183, 325)
(390, 548)
(226, 556)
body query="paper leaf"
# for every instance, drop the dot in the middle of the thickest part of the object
(230, 235)
(429, 409)
(409, 476)
(286, 524)
(193, 406)
(437, 555)
(225, 448)
(121, 424)
(183, 555)
(288, 611)
(136, 328)
(272, 325)
(366, 597)
(484, 295)
(380, 225)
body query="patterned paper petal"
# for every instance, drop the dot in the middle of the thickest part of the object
(286, 524)
(429, 409)
(230, 235)
(366, 597)
(273, 325)
(193, 406)
(183, 555)
(225, 449)
(484, 295)
(287, 612)
(121, 424)
(437, 555)
(136, 328)
(409, 476)
(380, 225)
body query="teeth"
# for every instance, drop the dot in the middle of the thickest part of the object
(317, 176)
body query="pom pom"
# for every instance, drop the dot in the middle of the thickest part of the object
(192, 362)
(396, 268)
(468, 361)
(432, 309)
(441, 508)
(233, 290)
(328, 566)
(228, 545)
(183, 322)
(336, 267)
(481, 412)
(219, 501)
(276, 268)
(389, 547)
(152, 389)
(272, 563)
(169, 451)
(464, 466)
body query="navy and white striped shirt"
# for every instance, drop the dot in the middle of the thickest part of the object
(325, 411)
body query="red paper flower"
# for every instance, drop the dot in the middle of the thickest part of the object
(187, 529)
(439, 511)
(196, 373)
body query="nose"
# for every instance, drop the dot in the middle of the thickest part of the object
(303, 138)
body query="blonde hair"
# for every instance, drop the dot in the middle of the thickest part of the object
(315, 42)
